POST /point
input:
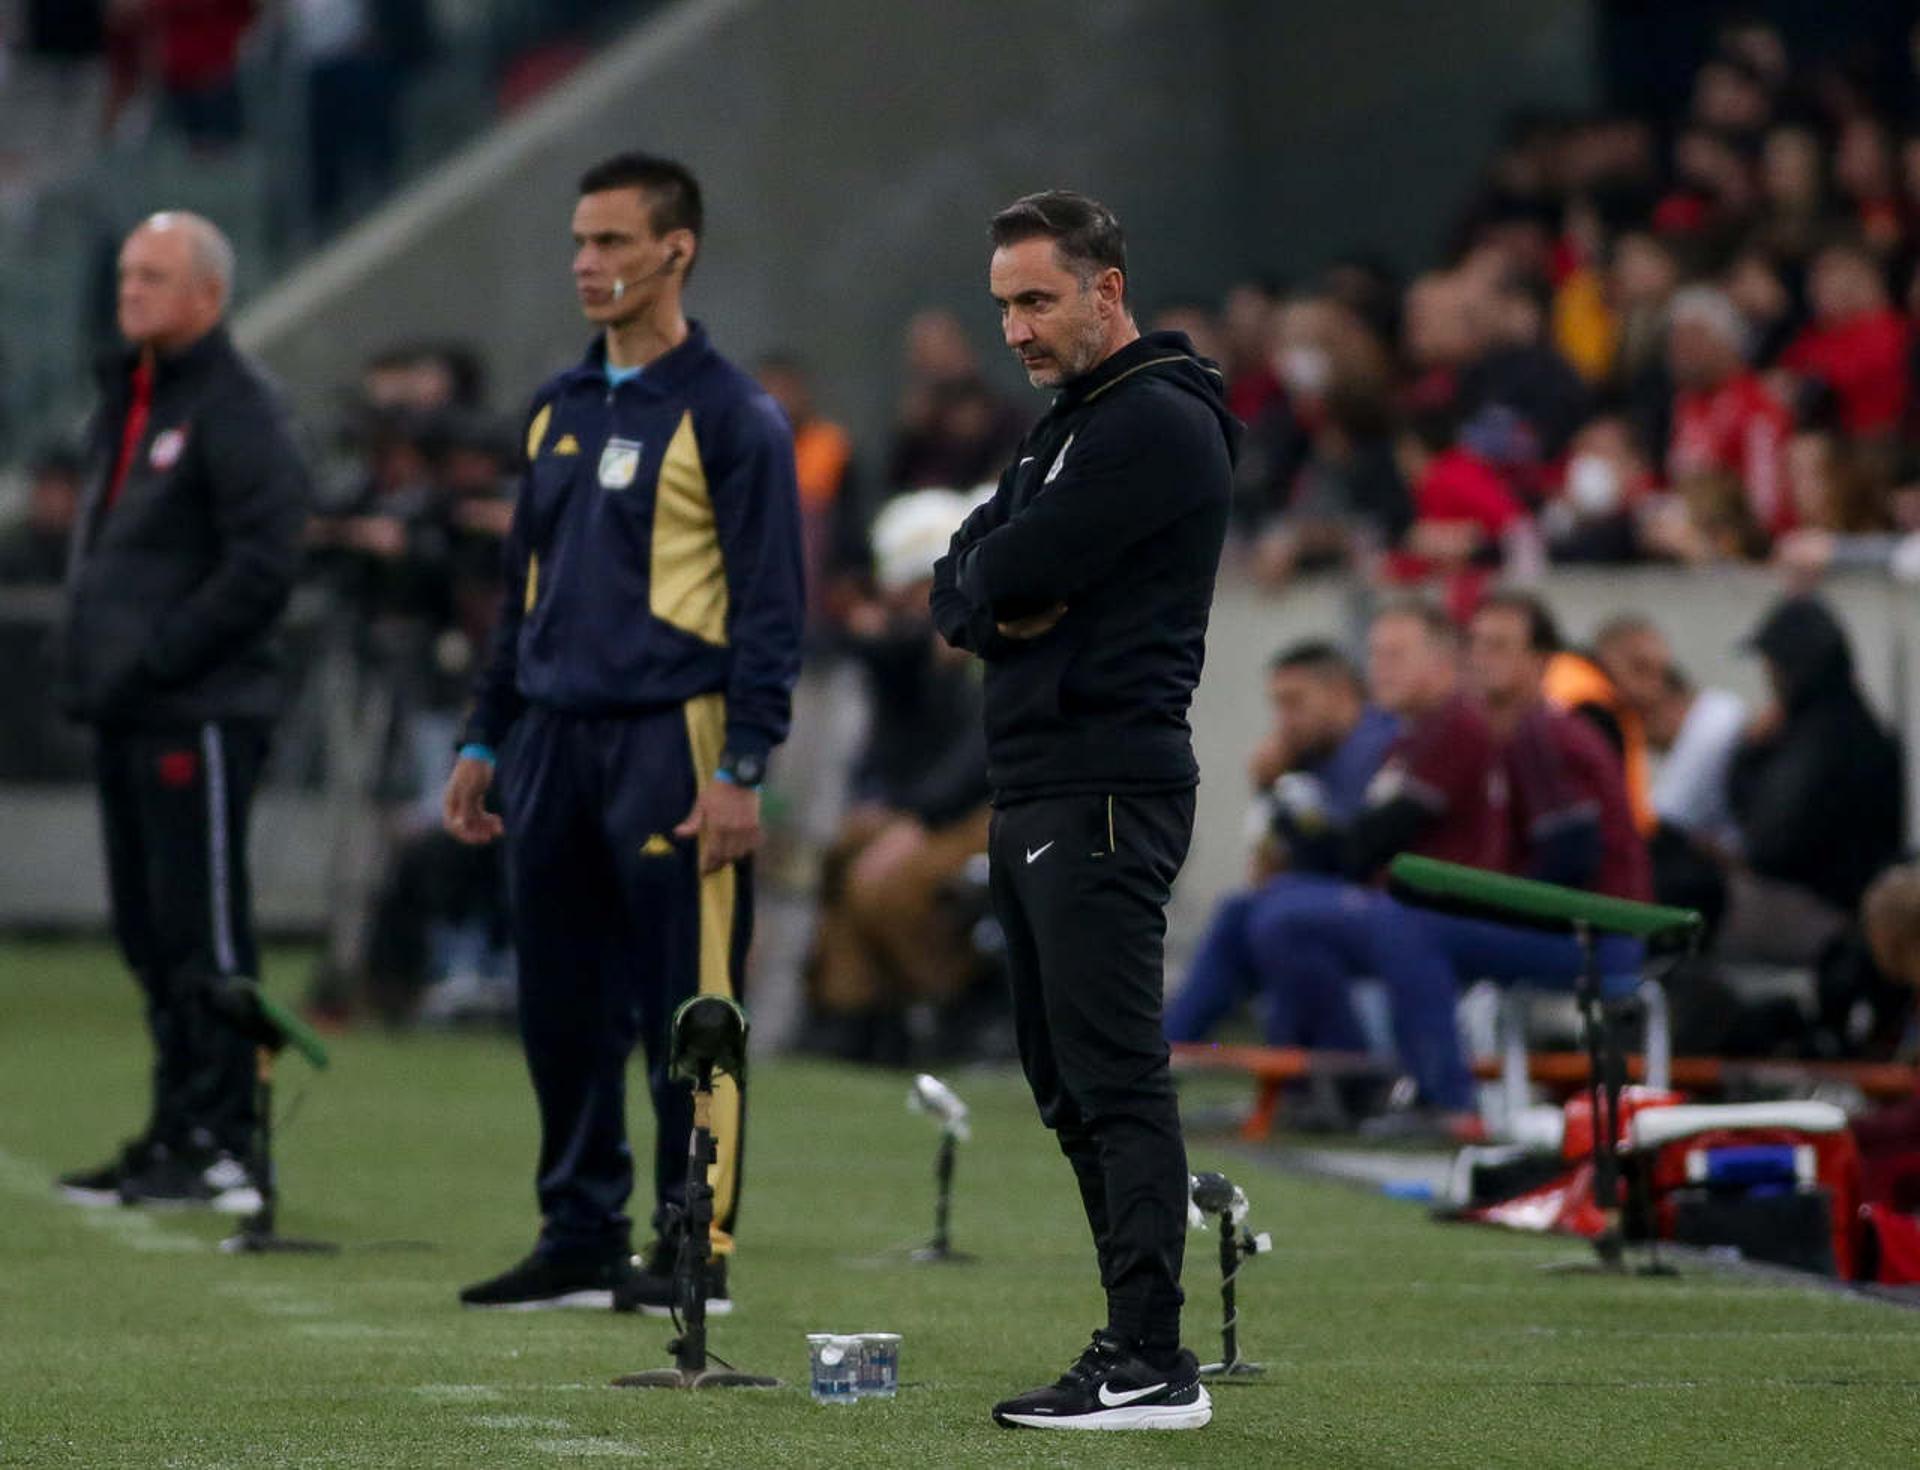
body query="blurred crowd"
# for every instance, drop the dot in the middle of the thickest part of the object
(114, 68)
(1601, 766)
(1692, 345)
(1688, 344)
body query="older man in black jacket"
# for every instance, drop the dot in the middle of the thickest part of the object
(1085, 584)
(183, 559)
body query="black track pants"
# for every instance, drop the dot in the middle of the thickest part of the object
(174, 806)
(1080, 886)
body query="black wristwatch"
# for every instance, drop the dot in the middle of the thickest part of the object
(738, 769)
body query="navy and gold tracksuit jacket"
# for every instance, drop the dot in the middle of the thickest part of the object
(655, 551)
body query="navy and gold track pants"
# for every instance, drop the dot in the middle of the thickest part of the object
(614, 927)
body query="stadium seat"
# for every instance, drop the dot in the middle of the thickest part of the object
(1516, 1000)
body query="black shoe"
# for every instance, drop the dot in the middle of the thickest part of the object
(101, 1186)
(1113, 1387)
(651, 1288)
(193, 1180)
(541, 1282)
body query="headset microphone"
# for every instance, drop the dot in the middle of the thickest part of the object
(673, 259)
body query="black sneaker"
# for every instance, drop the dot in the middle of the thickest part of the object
(542, 1282)
(650, 1288)
(211, 1181)
(101, 1186)
(1112, 1387)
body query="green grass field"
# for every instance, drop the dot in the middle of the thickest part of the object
(127, 1340)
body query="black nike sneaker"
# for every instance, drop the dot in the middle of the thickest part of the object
(650, 1288)
(101, 1186)
(193, 1180)
(1113, 1387)
(541, 1282)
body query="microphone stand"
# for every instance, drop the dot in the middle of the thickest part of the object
(694, 1224)
(241, 1004)
(940, 1248)
(1215, 1194)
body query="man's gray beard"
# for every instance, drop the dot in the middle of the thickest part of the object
(1086, 355)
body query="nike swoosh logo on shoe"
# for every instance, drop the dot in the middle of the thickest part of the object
(1111, 1400)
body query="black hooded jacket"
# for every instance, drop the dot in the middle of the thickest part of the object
(174, 589)
(1821, 803)
(1116, 506)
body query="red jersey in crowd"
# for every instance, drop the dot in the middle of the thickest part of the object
(1736, 429)
(199, 40)
(1457, 486)
(1566, 798)
(1864, 361)
(1251, 394)
(1444, 762)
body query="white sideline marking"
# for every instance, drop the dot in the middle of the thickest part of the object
(352, 1332)
(137, 1231)
(1787, 1334)
(133, 1228)
(274, 1299)
(472, 1393)
(591, 1449)
(516, 1421)
(1653, 1290)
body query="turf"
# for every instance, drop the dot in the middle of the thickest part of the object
(126, 1340)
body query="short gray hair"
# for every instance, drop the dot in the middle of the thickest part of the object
(208, 248)
(1713, 309)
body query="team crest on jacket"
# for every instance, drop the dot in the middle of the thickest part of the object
(619, 463)
(167, 444)
(1053, 471)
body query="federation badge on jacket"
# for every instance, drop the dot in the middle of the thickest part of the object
(619, 463)
(167, 444)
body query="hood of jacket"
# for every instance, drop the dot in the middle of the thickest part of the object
(1808, 649)
(1169, 358)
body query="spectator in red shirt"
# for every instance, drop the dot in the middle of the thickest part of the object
(1725, 422)
(1857, 343)
(1466, 520)
(198, 46)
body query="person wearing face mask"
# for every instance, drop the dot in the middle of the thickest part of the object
(1595, 517)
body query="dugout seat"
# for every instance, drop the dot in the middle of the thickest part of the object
(1516, 1002)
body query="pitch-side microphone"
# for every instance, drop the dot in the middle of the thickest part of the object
(673, 259)
(931, 1095)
